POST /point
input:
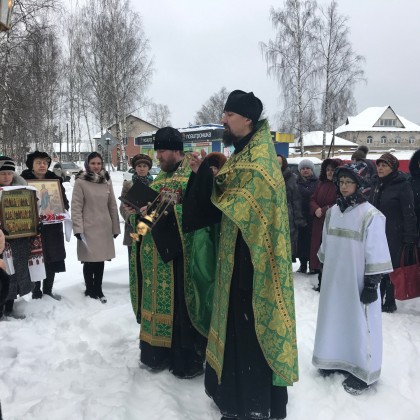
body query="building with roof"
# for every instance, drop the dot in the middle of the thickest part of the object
(381, 129)
(312, 141)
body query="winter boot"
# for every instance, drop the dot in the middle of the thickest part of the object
(88, 275)
(36, 291)
(97, 287)
(318, 288)
(303, 267)
(48, 285)
(97, 280)
(355, 386)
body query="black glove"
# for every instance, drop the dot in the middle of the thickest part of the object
(370, 291)
(78, 236)
(116, 235)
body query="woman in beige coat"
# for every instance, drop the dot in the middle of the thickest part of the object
(95, 222)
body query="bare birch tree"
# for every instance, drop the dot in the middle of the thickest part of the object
(113, 52)
(29, 67)
(292, 58)
(159, 115)
(212, 110)
(341, 66)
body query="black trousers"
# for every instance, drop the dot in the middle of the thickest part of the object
(93, 273)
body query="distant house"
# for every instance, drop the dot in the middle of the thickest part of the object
(312, 142)
(380, 128)
(134, 126)
(79, 152)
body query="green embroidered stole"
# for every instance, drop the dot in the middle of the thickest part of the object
(157, 303)
(250, 191)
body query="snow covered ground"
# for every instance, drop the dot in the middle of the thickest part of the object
(79, 359)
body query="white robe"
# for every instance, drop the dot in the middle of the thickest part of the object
(349, 333)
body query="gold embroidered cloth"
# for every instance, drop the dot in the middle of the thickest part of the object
(250, 191)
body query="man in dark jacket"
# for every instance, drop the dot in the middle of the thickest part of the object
(51, 234)
(392, 195)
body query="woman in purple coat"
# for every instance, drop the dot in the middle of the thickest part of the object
(323, 198)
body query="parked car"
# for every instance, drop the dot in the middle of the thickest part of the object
(294, 162)
(129, 174)
(66, 170)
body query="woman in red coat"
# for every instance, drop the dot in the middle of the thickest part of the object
(323, 198)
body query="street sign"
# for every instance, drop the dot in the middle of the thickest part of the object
(107, 141)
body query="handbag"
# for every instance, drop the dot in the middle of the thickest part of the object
(406, 279)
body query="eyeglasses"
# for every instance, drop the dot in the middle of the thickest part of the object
(345, 183)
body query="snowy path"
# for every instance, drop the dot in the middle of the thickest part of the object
(79, 359)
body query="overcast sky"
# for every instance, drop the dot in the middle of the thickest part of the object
(198, 46)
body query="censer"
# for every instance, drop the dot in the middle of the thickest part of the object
(159, 206)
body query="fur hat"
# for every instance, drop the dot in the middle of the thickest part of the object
(390, 160)
(141, 158)
(7, 164)
(334, 163)
(216, 159)
(37, 155)
(245, 104)
(168, 138)
(306, 163)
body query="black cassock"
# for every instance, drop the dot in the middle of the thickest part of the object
(246, 389)
(185, 358)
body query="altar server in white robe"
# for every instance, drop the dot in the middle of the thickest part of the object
(354, 253)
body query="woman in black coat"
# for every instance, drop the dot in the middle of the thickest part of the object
(296, 218)
(415, 185)
(51, 234)
(307, 183)
(392, 195)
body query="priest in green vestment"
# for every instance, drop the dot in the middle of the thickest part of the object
(251, 352)
(168, 339)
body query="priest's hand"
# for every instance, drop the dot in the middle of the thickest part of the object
(196, 159)
(370, 290)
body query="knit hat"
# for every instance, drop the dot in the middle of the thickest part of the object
(306, 163)
(7, 164)
(37, 155)
(168, 138)
(364, 149)
(141, 158)
(390, 160)
(92, 156)
(245, 104)
(216, 159)
(358, 172)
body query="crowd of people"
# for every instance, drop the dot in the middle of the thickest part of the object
(211, 243)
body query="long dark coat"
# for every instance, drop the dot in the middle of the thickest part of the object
(393, 196)
(415, 185)
(324, 197)
(52, 234)
(306, 190)
(294, 204)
